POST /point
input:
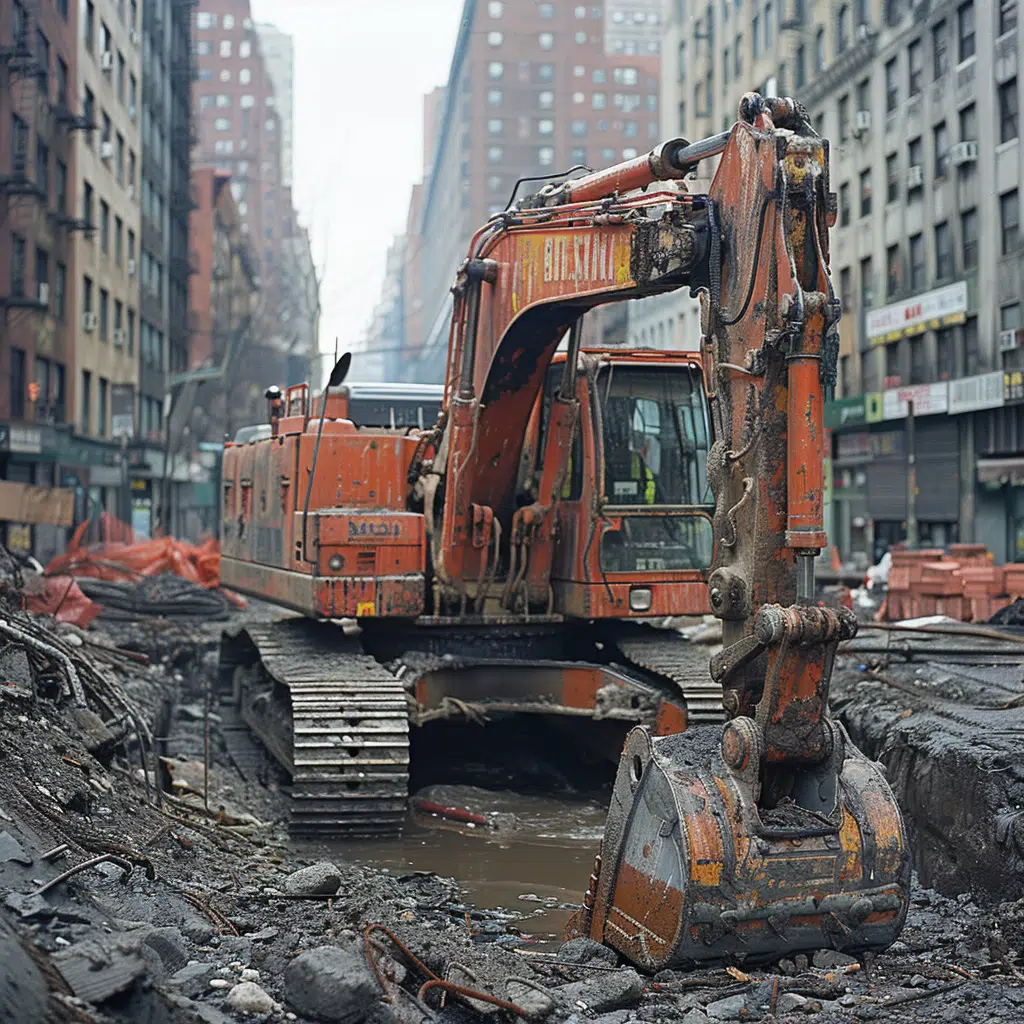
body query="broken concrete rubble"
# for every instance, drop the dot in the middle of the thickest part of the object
(235, 912)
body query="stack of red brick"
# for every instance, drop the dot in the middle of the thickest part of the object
(964, 584)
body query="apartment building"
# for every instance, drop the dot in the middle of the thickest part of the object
(279, 60)
(534, 89)
(39, 118)
(106, 184)
(919, 101)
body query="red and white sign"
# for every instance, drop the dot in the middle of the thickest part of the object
(912, 316)
(927, 399)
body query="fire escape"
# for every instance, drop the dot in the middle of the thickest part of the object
(25, 212)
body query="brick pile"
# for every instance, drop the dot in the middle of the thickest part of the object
(963, 584)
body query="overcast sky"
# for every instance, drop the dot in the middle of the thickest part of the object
(361, 69)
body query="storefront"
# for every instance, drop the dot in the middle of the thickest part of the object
(28, 454)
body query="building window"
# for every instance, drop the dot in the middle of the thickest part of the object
(494, 97)
(915, 158)
(965, 30)
(101, 412)
(228, 21)
(579, 97)
(88, 206)
(819, 50)
(204, 47)
(247, 102)
(104, 314)
(546, 10)
(915, 58)
(969, 123)
(545, 156)
(844, 118)
(598, 76)
(940, 140)
(545, 99)
(892, 271)
(206, 20)
(579, 155)
(225, 47)
(892, 89)
(1008, 110)
(945, 353)
(546, 40)
(244, 76)
(867, 283)
(1007, 16)
(60, 290)
(86, 401)
(494, 182)
(865, 193)
(801, 66)
(580, 37)
(1009, 317)
(892, 178)
(222, 124)
(495, 8)
(969, 237)
(545, 72)
(580, 12)
(1009, 221)
(917, 265)
(943, 251)
(842, 28)
(495, 39)
(545, 126)
(245, 49)
(755, 28)
(223, 99)
(940, 49)
(495, 69)
(225, 75)
(629, 153)
(579, 129)
(844, 204)
(494, 126)
(104, 227)
(494, 154)
(599, 100)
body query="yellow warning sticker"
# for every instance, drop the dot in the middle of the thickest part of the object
(365, 608)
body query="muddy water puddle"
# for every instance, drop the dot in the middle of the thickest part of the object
(533, 858)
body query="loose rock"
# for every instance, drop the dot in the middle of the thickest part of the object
(330, 984)
(608, 991)
(730, 1008)
(320, 879)
(248, 998)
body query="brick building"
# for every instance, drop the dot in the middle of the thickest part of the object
(534, 88)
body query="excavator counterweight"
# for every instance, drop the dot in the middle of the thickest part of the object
(771, 834)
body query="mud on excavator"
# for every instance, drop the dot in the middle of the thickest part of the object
(510, 558)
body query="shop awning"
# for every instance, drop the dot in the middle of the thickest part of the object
(1004, 471)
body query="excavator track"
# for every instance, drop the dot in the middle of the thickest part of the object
(666, 655)
(337, 721)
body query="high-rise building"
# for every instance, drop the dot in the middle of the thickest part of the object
(919, 102)
(107, 178)
(241, 129)
(279, 59)
(533, 89)
(40, 115)
(159, 472)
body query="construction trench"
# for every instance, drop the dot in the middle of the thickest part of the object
(176, 895)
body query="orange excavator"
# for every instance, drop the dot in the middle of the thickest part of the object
(510, 558)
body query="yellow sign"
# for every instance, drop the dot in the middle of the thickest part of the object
(873, 407)
(365, 609)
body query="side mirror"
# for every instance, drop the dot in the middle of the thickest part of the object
(340, 371)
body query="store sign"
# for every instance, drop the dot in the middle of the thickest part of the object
(983, 391)
(844, 412)
(122, 410)
(927, 399)
(27, 440)
(932, 310)
(873, 406)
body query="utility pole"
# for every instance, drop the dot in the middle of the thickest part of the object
(911, 480)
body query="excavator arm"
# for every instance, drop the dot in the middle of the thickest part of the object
(774, 834)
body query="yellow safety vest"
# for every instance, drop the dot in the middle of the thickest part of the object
(649, 487)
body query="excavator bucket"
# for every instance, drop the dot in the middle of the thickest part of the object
(772, 834)
(693, 871)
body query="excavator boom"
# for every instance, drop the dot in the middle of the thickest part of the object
(772, 834)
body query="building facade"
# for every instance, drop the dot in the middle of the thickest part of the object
(533, 90)
(279, 59)
(919, 102)
(241, 129)
(40, 116)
